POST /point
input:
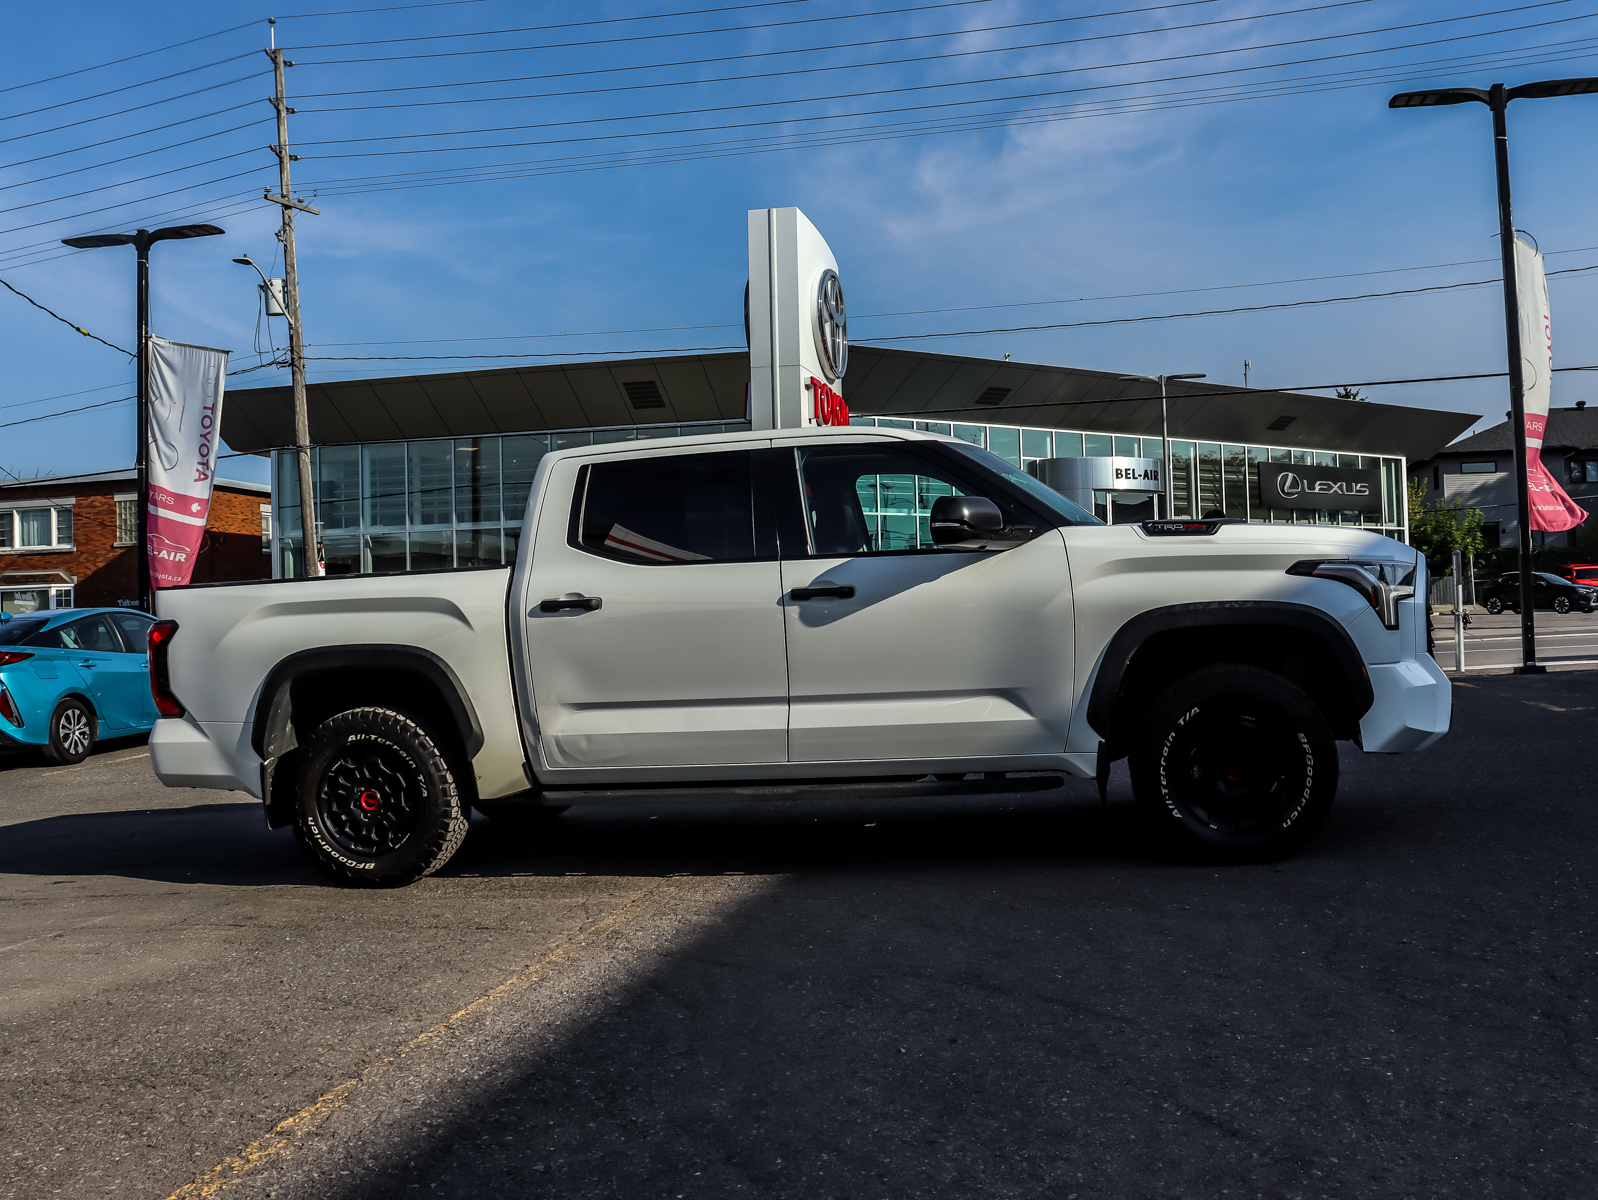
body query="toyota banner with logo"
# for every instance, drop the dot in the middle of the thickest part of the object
(1296, 485)
(185, 415)
(1552, 510)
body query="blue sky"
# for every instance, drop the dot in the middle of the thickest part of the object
(1075, 159)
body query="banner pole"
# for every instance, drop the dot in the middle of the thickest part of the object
(1498, 101)
(141, 456)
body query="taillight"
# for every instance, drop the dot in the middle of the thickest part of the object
(8, 706)
(7, 657)
(161, 635)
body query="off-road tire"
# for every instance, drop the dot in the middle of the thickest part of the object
(1561, 604)
(72, 733)
(517, 816)
(379, 803)
(1493, 605)
(1233, 764)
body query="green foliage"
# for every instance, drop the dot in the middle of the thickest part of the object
(1439, 528)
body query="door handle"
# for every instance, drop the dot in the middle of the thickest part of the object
(570, 600)
(813, 593)
(88, 663)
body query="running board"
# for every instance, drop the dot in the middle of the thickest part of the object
(849, 789)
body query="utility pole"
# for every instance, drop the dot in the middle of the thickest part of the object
(291, 306)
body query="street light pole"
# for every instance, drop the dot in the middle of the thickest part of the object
(1497, 99)
(1165, 428)
(141, 241)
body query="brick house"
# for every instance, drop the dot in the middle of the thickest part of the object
(68, 541)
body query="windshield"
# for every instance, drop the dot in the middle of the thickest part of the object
(17, 628)
(1544, 575)
(1041, 493)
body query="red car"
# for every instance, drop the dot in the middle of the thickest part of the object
(1586, 573)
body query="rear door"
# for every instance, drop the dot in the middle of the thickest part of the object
(900, 650)
(652, 623)
(135, 671)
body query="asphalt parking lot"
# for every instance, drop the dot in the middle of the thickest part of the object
(919, 998)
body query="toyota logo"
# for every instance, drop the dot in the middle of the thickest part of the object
(832, 325)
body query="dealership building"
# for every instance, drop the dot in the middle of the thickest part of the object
(433, 471)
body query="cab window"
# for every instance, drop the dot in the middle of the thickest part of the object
(865, 498)
(666, 510)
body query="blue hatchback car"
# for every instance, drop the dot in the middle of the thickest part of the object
(71, 676)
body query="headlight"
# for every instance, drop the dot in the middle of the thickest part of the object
(1383, 584)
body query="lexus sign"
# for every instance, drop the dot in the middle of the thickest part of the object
(1297, 485)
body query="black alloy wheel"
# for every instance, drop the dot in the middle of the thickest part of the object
(1561, 604)
(72, 732)
(379, 801)
(1235, 764)
(1493, 605)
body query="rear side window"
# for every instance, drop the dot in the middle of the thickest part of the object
(92, 634)
(17, 629)
(668, 509)
(135, 631)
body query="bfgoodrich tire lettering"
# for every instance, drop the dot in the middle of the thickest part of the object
(378, 802)
(1234, 764)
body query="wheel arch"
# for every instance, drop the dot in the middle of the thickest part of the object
(1303, 644)
(309, 686)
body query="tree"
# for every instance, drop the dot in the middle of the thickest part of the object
(1441, 527)
(1349, 393)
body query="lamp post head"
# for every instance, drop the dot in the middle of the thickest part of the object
(1438, 96)
(1197, 376)
(175, 232)
(1553, 87)
(96, 240)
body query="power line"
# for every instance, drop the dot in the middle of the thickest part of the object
(124, 203)
(63, 396)
(136, 154)
(125, 88)
(69, 324)
(141, 179)
(66, 412)
(118, 61)
(19, 137)
(22, 162)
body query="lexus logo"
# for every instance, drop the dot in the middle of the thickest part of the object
(831, 325)
(1289, 485)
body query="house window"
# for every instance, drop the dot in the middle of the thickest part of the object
(266, 529)
(36, 527)
(1478, 468)
(127, 520)
(1584, 470)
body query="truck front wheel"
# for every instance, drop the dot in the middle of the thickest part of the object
(378, 801)
(1234, 764)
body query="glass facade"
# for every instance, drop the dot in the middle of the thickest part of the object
(428, 504)
(1206, 477)
(458, 502)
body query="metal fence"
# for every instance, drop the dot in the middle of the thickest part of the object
(1442, 591)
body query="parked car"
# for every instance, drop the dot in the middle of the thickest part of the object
(722, 616)
(71, 676)
(1548, 591)
(1582, 573)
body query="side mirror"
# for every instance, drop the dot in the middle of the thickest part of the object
(960, 519)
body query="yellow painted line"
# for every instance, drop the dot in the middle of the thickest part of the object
(95, 762)
(286, 1133)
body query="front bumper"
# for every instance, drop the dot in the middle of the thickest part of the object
(1414, 702)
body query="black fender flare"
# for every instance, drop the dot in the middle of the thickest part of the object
(1230, 613)
(272, 733)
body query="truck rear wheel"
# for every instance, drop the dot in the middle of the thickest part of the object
(379, 804)
(1234, 764)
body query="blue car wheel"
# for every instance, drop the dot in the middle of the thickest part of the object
(71, 732)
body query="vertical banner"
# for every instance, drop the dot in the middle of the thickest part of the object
(185, 416)
(796, 323)
(1552, 510)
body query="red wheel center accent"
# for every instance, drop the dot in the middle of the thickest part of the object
(370, 801)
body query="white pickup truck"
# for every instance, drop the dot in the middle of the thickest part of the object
(763, 614)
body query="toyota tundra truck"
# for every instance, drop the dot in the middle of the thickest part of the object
(765, 615)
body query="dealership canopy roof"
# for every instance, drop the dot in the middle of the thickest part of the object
(881, 382)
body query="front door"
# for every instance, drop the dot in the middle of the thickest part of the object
(901, 650)
(652, 622)
(118, 682)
